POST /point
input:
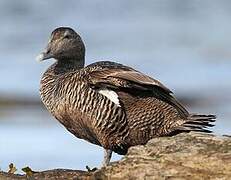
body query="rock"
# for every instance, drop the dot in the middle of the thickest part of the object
(48, 175)
(185, 156)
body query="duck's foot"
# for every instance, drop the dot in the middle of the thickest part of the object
(91, 170)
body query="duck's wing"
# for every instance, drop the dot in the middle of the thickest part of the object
(117, 76)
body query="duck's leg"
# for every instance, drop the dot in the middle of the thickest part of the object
(107, 157)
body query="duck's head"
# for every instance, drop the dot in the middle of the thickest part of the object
(64, 44)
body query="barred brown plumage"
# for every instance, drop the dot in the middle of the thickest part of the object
(107, 103)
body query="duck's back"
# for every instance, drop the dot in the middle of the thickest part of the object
(150, 109)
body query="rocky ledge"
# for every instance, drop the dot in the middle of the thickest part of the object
(185, 156)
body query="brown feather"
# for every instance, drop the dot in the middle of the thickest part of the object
(122, 77)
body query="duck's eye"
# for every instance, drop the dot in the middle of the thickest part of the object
(67, 36)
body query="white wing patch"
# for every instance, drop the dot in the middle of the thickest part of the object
(112, 95)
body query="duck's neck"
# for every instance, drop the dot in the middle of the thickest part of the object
(68, 65)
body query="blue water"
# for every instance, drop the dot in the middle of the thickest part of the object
(185, 44)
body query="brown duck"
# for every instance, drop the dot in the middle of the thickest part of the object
(109, 104)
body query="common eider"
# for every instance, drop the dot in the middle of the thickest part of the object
(107, 103)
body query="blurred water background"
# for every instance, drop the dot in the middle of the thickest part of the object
(185, 44)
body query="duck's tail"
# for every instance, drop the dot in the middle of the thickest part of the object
(197, 122)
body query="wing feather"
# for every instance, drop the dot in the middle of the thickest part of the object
(117, 76)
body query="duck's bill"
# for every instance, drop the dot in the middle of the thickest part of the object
(43, 56)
